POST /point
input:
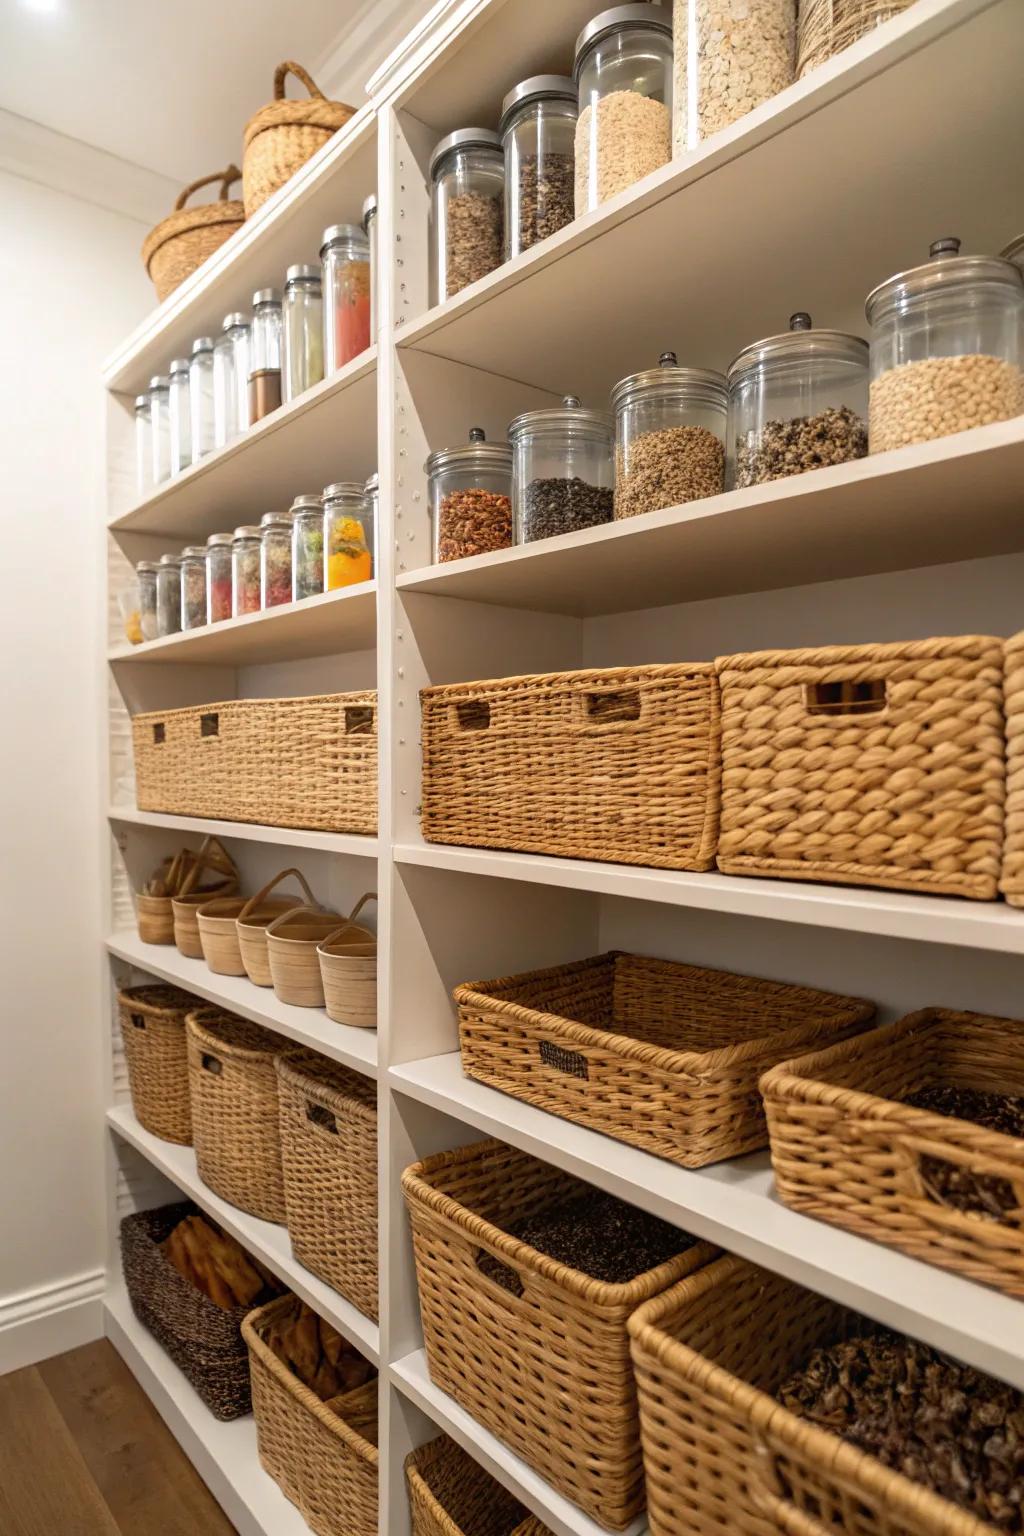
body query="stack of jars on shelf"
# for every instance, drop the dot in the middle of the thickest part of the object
(325, 318)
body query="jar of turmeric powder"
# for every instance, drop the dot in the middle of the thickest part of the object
(348, 535)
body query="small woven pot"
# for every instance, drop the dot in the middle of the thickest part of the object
(212, 859)
(182, 242)
(293, 942)
(154, 914)
(348, 970)
(255, 918)
(450, 1495)
(283, 135)
(156, 1053)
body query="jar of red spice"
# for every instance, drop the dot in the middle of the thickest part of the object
(345, 254)
(218, 577)
(275, 559)
(245, 571)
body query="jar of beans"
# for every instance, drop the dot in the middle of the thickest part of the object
(563, 471)
(218, 577)
(146, 572)
(168, 595)
(730, 56)
(467, 172)
(348, 535)
(947, 347)
(538, 131)
(797, 401)
(275, 559)
(307, 515)
(345, 261)
(193, 587)
(624, 75)
(669, 437)
(470, 498)
(245, 571)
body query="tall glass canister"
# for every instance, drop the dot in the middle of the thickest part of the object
(168, 595)
(231, 380)
(347, 288)
(467, 210)
(470, 490)
(245, 571)
(302, 361)
(538, 133)
(160, 428)
(193, 586)
(275, 559)
(371, 493)
(264, 393)
(179, 416)
(200, 397)
(624, 74)
(348, 535)
(307, 514)
(370, 231)
(143, 446)
(670, 426)
(729, 57)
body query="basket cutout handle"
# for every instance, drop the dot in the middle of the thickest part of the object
(570, 1063)
(229, 174)
(319, 1115)
(159, 732)
(209, 724)
(138, 1021)
(289, 67)
(608, 706)
(938, 1176)
(472, 714)
(865, 697)
(359, 720)
(490, 1267)
(360, 904)
(212, 1063)
(261, 894)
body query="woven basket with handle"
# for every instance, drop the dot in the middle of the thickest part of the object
(283, 135)
(154, 913)
(255, 918)
(182, 242)
(293, 941)
(214, 862)
(348, 970)
(451, 1495)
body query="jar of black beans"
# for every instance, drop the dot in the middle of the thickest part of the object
(563, 470)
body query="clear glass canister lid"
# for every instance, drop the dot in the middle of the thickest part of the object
(217, 539)
(570, 419)
(302, 272)
(372, 485)
(478, 453)
(194, 552)
(697, 384)
(303, 506)
(645, 17)
(145, 567)
(538, 88)
(369, 211)
(463, 138)
(344, 234)
(946, 270)
(166, 560)
(232, 321)
(275, 520)
(141, 402)
(802, 343)
(246, 531)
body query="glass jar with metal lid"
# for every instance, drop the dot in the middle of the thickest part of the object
(143, 413)
(563, 470)
(538, 132)
(200, 397)
(797, 401)
(624, 75)
(370, 231)
(146, 575)
(371, 492)
(947, 347)
(265, 355)
(168, 595)
(348, 535)
(179, 416)
(307, 515)
(231, 380)
(467, 206)
(193, 586)
(159, 428)
(245, 571)
(303, 320)
(218, 577)
(729, 57)
(669, 437)
(275, 559)
(470, 498)
(347, 287)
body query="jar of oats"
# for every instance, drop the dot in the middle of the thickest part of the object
(624, 74)
(730, 56)
(669, 437)
(470, 489)
(947, 347)
(467, 208)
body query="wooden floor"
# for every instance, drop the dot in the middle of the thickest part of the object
(84, 1453)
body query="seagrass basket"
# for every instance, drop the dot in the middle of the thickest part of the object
(283, 135)
(946, 1190)
(546, 1370)
(621, 765)
(187, 237)
(152, 1021)
(866, 765)
(215, 863)
(1012, 882)
(328, 1118)
(451, 1495)
(255, 918)
(348, 971)
(292, 950)
(826, 27)
(323, 1459)
(154, 914)
(234, 1110)
(661, 1055)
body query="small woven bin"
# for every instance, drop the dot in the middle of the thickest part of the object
(826, 27)
(845, 1150)
(329, 1150)
(155, 914)
(1012, 882)
(348, 972)
(866, 765)
(293, 949)
(234, 1110)
(179, 244)
(155, 1044)
(255, 918)
(215, 863)
(547, 1370)
(324, 1461)
(283, 135)
(451, 1495)
(661, 1055)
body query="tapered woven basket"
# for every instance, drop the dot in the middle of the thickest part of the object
(293, 941)
(215, 864)
(451, 1495)
(661, 1055)
(217, 922)
(826, 27)
(1012, 882)
(282, 136)
(156, 1053)
(348, 971)
(546, 1370)
(154, 914)
(187, 237)
(255, 918)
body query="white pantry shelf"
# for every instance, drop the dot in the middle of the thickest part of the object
(347, 843)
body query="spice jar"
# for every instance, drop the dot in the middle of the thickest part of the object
(826, 27)
(470, 498)
(946, 347)
(264, 393)
(245, 571)
(179, 416)
(200, 397)
(624, 75)
(168, 595)
(143, 446)
(218, 577)
(193, 587)
(302, 356)
(729, 57)
(348, 534)
(562, 470)
(467, 172)
(146, 575)
(797, 401)
(370, 231)
(231, 380)
(345, 261)
(307, 515)
(538, 132)
(669, 437)
(159, 429)
(275, 559)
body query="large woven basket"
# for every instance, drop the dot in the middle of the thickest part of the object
(661, 1055)
(866, 765)
(1012, 882)
(451, 1495)
(255, 918)
(156, 1053)
(187, 237)
(621, 765)
(846, 1150)
(547, 1370)
(283, 762)
(324, 1461)
(283, 135)
(234, 1110)
(293, 941)
(329, 1152)
(218, 867)
(348, 971)
(826, 27)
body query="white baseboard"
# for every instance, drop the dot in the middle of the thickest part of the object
(50, 1319)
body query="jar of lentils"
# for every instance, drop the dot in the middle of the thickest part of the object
(467, 173)
(624, 75)
(470, 498)
(245, 571)
(168, 595)
(275, 559)
(218, 577)
(729, 57)
(348, 535)
(193, 586)
(669, 437)
(538, 132)
(307, 515)
(146, 572)
(562, 470)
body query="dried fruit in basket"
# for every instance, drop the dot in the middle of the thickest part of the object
(316, 1353)
(216, 1265)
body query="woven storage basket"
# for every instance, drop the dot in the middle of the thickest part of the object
(156, 1052)
(282, 136)
(255, 918)
(292, 950)
(661, 1055)
(348, 971)
(451, 1495)
(1012, 882)
(283, 762)
(329, 1152)
(234, 1110)
(154, 914)
(214, 862)
(621, 765)
(324, 1462)
(187, 237)
(844, 1149)
(826, 27)
(547, 1371)
(866, 765)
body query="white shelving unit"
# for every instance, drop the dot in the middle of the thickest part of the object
(805, 204)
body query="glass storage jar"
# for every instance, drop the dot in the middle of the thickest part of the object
(200, 397)
(467, 173)
(348, 535)
(470, 491)
(128, 603)
(168, 595)
(371, 491)
(143, 446)
(231, 380)
(345, 262)
(265, 355)
(160, 428)
(562, 470)
(245, 571)
(302, 355)
(146, 574)
(826, 27)
(370, 231)
(218, 577)
(624, 75)
(729, 57)
(538, 132)
(947, 347)
(179, 416)
(275, 559)
(193, 586)
(307, 515)
(669, 437)
(797, 401)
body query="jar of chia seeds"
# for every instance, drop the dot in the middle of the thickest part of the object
(218, 577)
(669, 437)
(470, 491)
(563, 470)
(538, 132)
(307, 515)
(168, 595)
(245, 571)
(348, 534)
(146, 574)
(143, 446)
(467, 173)
(193, 586)
(623, 72)
(275, 559)
(180, 416)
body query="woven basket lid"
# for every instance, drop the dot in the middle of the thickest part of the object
(318, 112)
(183, 220)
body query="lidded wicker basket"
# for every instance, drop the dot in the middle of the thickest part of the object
(187, 237)
(255, 918)
(283, 135)
(451, 1495)
(212, 859)
(156, 1052)
(293, 941)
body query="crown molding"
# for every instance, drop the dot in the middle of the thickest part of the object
(434, 27)
(67, 165)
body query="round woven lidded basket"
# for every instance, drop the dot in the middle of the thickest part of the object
(152, 1021)
(293, 942)
(212, 859)
(283, 135)
(255, 918)
(451, 1495)
(182, 242)
(348, 971)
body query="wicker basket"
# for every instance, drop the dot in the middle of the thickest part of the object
(188, 236)
(844, 1149)
(282, 762)
(234, 1110)
(282, 136)
(348, 971)
(323, 1461)
(154, 914)
(621, 765)
(548, 1370)
(866, 765)
(329, 1151)
(451, 1495)
(293, 941)
(156, 1052)
(661, 1055)
(826, 27)
(1012, 882)
(255, 918)
(213, 860)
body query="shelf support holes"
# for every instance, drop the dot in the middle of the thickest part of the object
(209, 725)
(846, 698)
(359, 720)
(318, 1115)
(473, 714)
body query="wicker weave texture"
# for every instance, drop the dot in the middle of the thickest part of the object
(547, 1371)
(906, 792)
(846, 1151)
(282, 762)
(284, 134)
(826, 27)
(155, 918)
(451, 1495)
(621, 765)
(661, 1055)
(1012, 881)
(188, 236)
(152, 1022)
